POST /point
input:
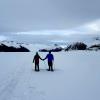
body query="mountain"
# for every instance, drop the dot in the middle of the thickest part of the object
(70, 43)
(11, 46)
(82, 42)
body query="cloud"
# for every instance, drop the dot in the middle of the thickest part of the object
(47, 32)
(37, 15)
(91, 28)
(94, 26)
(88, 28)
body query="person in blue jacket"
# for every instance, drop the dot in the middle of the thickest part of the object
(50, 58)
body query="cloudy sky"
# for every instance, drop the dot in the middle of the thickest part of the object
(48, 17)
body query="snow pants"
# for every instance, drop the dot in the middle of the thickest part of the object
(37, 67)
(50, 64)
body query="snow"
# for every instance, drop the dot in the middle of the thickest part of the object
(63, 42)
(10, 43)
(35, 47)
(76, 77)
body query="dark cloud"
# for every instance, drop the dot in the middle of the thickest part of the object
(28, 15)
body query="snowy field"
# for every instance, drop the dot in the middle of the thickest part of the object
(76, 77)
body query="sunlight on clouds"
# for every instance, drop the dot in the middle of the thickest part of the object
(48, 32)
(94, 26)
(88, 28)
(33, 33)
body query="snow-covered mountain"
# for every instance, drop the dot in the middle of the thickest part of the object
(30, 47)
(74, 43)
(11, 46)
(10, 43)
(89, 41)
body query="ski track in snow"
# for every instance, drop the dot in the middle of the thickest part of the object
(8, 85)
(20, 79)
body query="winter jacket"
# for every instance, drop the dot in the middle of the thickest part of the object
(49, 57)
(36, 59)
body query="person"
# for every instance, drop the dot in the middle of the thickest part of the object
(50, 58)
(36, 61)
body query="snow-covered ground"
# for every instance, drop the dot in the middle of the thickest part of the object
(76, 77)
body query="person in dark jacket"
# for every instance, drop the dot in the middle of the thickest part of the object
(50, 58)
(36, 61)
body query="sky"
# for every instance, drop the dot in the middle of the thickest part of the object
(48, 17)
